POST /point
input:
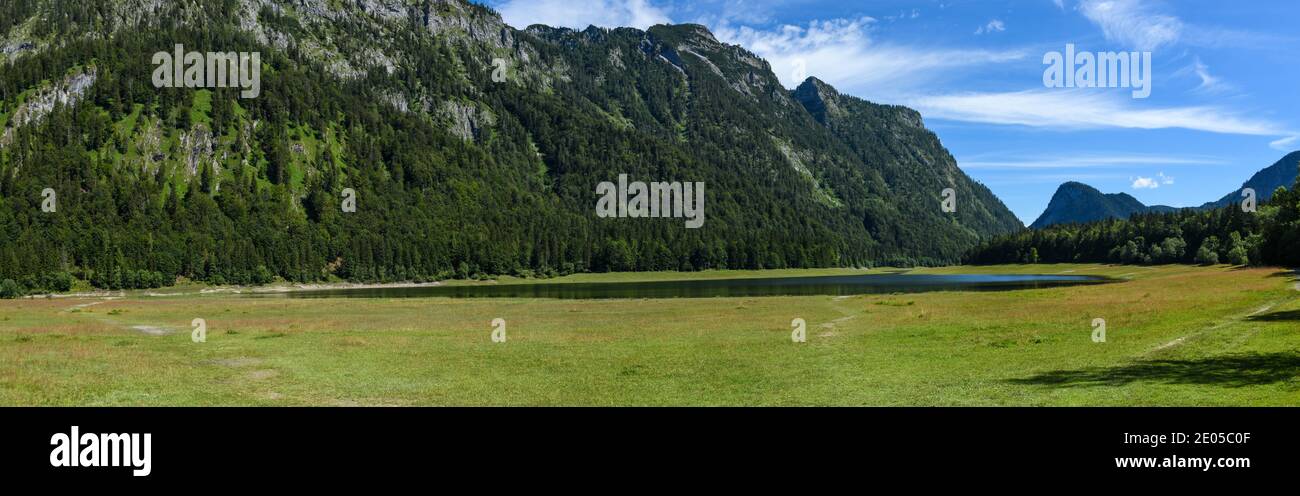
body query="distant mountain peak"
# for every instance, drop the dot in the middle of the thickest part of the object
(697, 31)
(1281, 174)
(1075, 202)
(820, 99)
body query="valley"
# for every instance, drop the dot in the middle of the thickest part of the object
(1177, 335)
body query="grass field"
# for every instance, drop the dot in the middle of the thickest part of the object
(1176, 335)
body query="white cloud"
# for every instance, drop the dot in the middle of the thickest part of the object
(1054, 179)
(1085, 161)
(994, 26)
(1060, 4)
(1152, 182)
(1137, 24)
(1209, 83)
(1285, 144)
(1203, 72)
(1145, 183)
(842, 53)
(915, 13)
(1083, 109)
(1133, 23)
(580, 14)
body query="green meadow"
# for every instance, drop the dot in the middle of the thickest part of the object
(1175, 335)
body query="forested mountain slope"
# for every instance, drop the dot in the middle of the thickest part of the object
(1076, 202)
(455, 174)
(1282, 174)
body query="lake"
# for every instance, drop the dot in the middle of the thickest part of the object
(710, 288)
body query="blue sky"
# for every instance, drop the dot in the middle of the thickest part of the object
(1224, 91)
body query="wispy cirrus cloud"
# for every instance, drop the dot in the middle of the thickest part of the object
(1286, 144)
(1133, 23)
(1139, 24)
(580, 14)
(843, 53)
(1079, 109)
(1209, 82)
(1034, 179)
(1086, 161)
(993, 26)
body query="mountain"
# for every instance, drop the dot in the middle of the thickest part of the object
(892, 141)
(470, 147)
(1076, 202)
(1282, 174)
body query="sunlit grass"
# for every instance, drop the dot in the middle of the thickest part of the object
(1173, 333)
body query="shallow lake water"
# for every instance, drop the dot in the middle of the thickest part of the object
(709, 288)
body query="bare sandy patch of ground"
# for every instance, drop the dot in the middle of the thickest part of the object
(263, 374)
(91, 304)
(153, 330)
(237, 362)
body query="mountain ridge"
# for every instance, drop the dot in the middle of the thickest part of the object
(1281, 174)
(1076, 202)
(456, 173)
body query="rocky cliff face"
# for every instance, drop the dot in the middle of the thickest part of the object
(64, 92)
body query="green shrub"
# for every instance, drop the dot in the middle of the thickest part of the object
(10, 289)
(1237, 256)
(1206, 256)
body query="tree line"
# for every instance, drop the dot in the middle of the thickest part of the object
(1268, 236)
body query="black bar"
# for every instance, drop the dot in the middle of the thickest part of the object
(226, 445)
